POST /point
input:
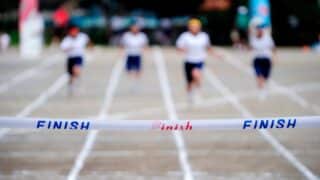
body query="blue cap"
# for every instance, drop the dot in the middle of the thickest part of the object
(133, 21)
(261, 26)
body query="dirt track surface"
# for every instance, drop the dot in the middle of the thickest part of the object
(231, 154)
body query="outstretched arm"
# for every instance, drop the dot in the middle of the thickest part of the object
(181, 44)
(181, 50)
(121, 51)
(90, 44)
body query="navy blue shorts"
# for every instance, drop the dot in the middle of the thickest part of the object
(262, 67)
(188, 67)
(133, 63)
(73, 61)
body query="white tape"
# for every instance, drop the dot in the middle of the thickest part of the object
(162, 125)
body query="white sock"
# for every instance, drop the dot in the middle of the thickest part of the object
(191, 96)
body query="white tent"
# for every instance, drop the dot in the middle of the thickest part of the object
(30, 29)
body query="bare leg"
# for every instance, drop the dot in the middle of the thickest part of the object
(135, 77)
(261, 82)
(76, 70)
(137, 74)
(196, 76)
(189, 87)
(194, 85)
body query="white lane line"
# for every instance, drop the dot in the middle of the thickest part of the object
(167, 96)
(286, 91)
(29, 73)
(281, 149)
(301, 87)
(92, 135)
(40, 100)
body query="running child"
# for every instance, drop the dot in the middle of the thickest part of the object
(74, 45)
(195, 44)
(134, 42)
(263, 48)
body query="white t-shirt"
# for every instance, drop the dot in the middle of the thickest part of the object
(262, 47)
(134, 43)
(75, 46)
(196, 46)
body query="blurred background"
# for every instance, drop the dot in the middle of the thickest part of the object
(39, 88)
(294, 22)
